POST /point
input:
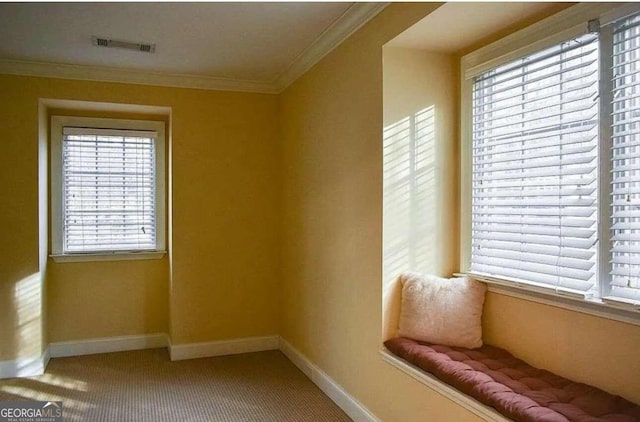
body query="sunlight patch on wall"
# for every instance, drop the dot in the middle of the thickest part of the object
(27, 301)
(409, 188)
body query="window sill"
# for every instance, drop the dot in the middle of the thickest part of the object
(108, 256)
(485, 412)
(629, 314)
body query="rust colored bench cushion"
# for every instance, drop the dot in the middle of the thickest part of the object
(517, 390)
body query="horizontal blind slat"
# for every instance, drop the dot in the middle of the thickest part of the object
(533, 152)
(576, 243)
(550, 281)
(537, 164)
(540, 182)
(518, 144)
(534, 220)
(534, 211)
(533, 248)
(547, 190)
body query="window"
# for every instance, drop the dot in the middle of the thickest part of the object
(555, 167)
(107, 188)
(535, 133)
(625, 171)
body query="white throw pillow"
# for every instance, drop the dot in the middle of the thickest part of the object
(445, 311)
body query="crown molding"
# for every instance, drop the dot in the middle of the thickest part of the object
(351, 20)
(348, 23)
(128, 76)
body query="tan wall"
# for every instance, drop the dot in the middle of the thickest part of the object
(20, 280)
(226, 173)
(107, 299)
(223, 280)
(420, 169)
(582, 347)
(332, 293)
(331, 124)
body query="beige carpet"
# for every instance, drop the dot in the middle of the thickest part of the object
(146, 386)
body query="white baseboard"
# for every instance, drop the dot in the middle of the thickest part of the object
(46, 357)
(352, 407)
(24, 367)
(223, 347)
(107, 345)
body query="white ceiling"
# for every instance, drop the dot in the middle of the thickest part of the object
(458, 25)
(238, 41)
(255, 47)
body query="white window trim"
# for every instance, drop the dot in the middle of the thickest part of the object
(569, 23)
(57, 125)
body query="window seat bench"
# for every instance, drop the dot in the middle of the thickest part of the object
(515, 389)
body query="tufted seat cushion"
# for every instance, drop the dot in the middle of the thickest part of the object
(514, 388)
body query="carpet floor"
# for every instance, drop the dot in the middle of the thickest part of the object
(145, 385)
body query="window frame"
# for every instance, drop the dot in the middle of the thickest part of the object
(562, 26)
(58, 123)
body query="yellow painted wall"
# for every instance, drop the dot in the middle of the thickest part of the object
(107, 299)
(420, 169)
(331, 122)
(20, 282)
(582, 347)
(332, 119)
(223, 281)
(226, 215)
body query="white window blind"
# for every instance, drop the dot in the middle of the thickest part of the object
(535, 164)
(625, 188)
(109, 197)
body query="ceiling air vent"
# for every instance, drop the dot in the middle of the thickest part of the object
(128, 45)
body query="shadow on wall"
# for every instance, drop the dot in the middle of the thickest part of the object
(409, 204)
